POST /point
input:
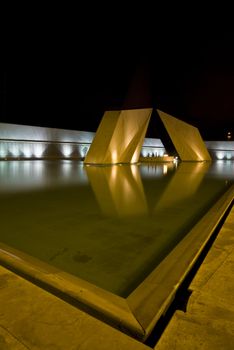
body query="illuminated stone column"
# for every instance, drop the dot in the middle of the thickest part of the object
(186, 139)
(119, 137)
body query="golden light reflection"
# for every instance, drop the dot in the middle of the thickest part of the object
(164, 169)
(21, 176)
(118, 190)
(184, 184)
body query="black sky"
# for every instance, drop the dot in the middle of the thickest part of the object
(68, 83)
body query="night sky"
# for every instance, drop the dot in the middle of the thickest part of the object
(69, 83)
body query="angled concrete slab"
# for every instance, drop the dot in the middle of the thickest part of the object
(186, 139)
(119, 137)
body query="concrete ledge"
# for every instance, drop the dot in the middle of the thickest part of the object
(150, 300)
(164, 159)
(110, 308)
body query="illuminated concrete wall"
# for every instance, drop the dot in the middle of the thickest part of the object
(222, 150)
(186, 139)
(23, 141)
(218, 150)
(119, 137)
(152, 148)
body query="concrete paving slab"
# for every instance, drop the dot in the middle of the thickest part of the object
(32, 318)
(191, 332)
(203, 304)
(221, 283)
(9, 342)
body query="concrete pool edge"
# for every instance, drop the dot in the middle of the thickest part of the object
(151, 299)
(138, 313)
(102, 304)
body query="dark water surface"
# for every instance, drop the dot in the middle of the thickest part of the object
(109, 225)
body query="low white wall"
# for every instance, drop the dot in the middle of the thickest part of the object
(37, 133)
(221, 149)
(24, 141)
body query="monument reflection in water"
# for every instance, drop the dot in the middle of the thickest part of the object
(118, 190)
(109, 225)
(160, 209)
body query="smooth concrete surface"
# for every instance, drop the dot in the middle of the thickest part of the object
(186, 139)
(31, 318)
(16, 132)
(119, 137)
(208, 322)
(221, 149)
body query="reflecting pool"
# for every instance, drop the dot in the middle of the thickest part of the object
(108, 225)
